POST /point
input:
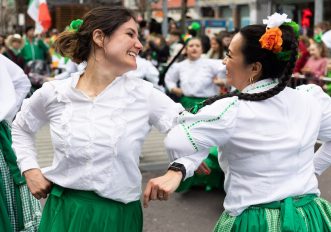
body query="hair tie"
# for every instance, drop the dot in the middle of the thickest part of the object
(318, 38)
(75, 25)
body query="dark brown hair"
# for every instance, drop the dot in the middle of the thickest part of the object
(78, 45)
(272, 67)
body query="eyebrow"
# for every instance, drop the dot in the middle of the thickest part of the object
(132, 30)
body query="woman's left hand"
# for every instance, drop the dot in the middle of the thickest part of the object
(161, 187)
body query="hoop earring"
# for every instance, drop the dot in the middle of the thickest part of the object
(251, 80)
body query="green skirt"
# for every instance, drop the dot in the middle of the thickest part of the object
(307, 213)
(84, 211)
(19, 210)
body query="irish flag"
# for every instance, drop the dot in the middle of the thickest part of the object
(38, 11)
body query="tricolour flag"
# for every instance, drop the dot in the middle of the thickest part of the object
(38, 11)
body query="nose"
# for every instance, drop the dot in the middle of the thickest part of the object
(224, 60)
(138, 45)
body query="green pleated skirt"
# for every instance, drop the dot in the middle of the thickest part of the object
(83, 211)
(307, 213)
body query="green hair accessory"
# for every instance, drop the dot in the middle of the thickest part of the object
(295, 26)
(195, 26)
(196, 107)
(284, 56)
(318, 38)
(75, 25)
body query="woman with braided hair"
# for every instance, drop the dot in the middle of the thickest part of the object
(266, 134)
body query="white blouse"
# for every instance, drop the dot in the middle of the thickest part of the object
(97, 142)
(146, 70)
(195, 77)
(14, 86)
(267, 147)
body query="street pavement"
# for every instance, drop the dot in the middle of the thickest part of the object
(193, 211)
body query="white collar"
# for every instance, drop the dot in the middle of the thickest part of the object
(261, 86)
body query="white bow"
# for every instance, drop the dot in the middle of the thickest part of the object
(276, 20)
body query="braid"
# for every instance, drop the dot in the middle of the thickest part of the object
(283, 81)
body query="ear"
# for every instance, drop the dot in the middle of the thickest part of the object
(98, 37)
(256, 69)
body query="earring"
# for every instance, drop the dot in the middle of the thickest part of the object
(251, 80)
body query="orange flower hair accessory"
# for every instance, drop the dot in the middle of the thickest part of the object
(272, 40)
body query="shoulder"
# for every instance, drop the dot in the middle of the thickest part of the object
(314, 91)
(223, 109)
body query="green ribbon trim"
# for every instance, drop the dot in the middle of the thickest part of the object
(290, 219)
(75, 25)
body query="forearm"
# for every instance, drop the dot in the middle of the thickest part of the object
(322, 159)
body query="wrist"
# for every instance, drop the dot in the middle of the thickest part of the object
(179, 168)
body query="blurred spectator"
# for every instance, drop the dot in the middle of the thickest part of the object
(14, 45)
(303, 54)
(174, 43)
(226, 38)
(34, 48)
(2, 44)
(316, 64)
(157, 50)
(322, 27)
(216, 49)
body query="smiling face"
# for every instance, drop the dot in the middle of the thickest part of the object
(237, 71)
(194, 49)
(122, 47)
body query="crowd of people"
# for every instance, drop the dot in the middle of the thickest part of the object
(231, 122)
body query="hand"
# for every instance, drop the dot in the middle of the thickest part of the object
(177, 91)
(218, 81)
(161, 187)
(203, 169)
(38, 185)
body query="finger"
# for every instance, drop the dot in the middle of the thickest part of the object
(154, 192)
(205, 169)
(160, 195)
(37, 196)
(147, 194)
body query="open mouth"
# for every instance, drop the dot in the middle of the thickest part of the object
(133, 54)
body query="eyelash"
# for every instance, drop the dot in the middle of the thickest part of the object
(130, 34)
(228, 55)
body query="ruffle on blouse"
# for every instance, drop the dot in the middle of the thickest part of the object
(118, 102)
(168, 121)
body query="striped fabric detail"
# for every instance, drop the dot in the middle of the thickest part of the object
(315, 216)
(8, 187)
(30, 206)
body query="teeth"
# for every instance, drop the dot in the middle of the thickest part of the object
(132, 54)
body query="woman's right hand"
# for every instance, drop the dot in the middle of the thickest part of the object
(177, 91)
(38, 185)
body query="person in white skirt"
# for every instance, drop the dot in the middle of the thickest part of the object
(267, 134)
(19, 210)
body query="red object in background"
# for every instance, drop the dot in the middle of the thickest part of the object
(306, 14)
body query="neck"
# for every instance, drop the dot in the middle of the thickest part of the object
(95, 79)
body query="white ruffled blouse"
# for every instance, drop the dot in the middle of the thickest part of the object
(97, 142)
(14, 86)
(267, 147)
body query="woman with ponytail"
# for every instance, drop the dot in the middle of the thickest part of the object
(266, 133)
(98, 120)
